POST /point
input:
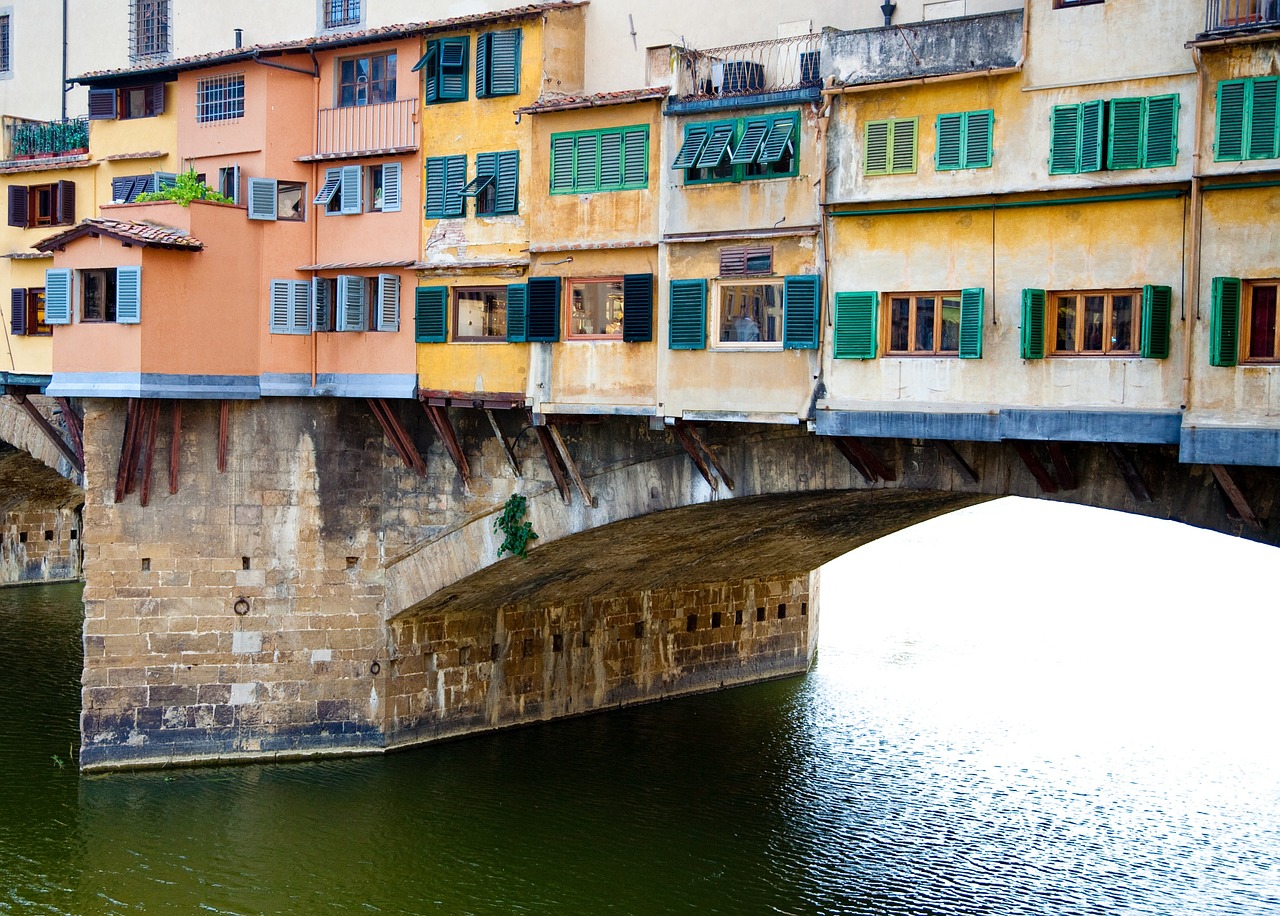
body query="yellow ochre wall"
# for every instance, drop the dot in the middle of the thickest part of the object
(490, 366)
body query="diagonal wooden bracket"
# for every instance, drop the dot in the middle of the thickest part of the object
(1132, 476)
(397, 435)
(570, 465)
(692, 433)
(175, 447)
(553, 461)
(75, 426)
(949, 453)
(51, 433)
(506, 446)
(224, 422)
(128, 449)
(864, 461)
(1038, 470)
(439, 417)
(1235, 496)
(1062, 467)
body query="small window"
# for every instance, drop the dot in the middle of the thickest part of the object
(383, 191)
(444, 70)
(36, 326)
(498, 63)
(43, 205)
(1097, 323)
(220, 98)
(229, 183)
(369, 80)
(750, 314)
(1261, 337)
(339, 13)
(6, 59)
(149, 28)
(889, 146)
(743, 261)
(1064, 4)
(98, 295)
(595, 308)
(480, 313)
(290, 199)
(140, 102)
(923, 323)
(739, 150)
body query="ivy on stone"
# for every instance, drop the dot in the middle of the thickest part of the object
(511, 524)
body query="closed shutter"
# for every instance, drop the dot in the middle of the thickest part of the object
(18, 312)
(66, 203)
(446, 176)
(332, 182)
(1092, 136)
(586, 158)
(977, 139)
(388, 302)
(507, 196)
(453, 69)
(278, 323)
(517, 313)
(18, 206)
(1033, 323)
(972, 302)
(1064, 140)
(950, 130)
(162, 181)
(391, 187)
(482, 64)
(504, 62)
(351, 305)
(562, 147)
(717, 146)
(1125, 150)
(687, 322)
(749, 146)
(1161, 141)
(695, 138)
(351, 189)
(903, 146)
(1232, 105)
(854, 325)
(610, 161)
(102, 104)
(429, 308)
(1224, 324)
(262, 198)
(57, 296)
(635, 158)
(875, 152)
(801, 306)
(1262, 118)
(637, 308)
(543, 309)
(322, 299)
(128, 295)
(436, 172)
(121, 189)
(300, 307)
(1157, 311)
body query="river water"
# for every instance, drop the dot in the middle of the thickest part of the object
(976, 738)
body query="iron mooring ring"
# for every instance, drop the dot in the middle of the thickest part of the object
(241, 607)
(375, 668)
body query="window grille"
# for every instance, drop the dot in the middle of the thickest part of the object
(149, 28)
(4, 45)
(341, 12)
(220, 98)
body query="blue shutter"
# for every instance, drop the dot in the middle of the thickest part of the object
(801, 306)
(262, 198)
(637, 308)
(854, 325)
(1033, 311)
(543, 301)
(429, 63)
(517, 313)
(57, 296)
(161, 181)
(391, 187)
(972, 302)
(128, 295)
(278, 322)
(18, 312)
(504, 63)
(121, 188)
(322, 298)
(299, 307)
(351, 189)
(430, 305)
(436, 172)
(506, 197)
(351, 303)
(388, 302)
(687, 321)
(332, 182)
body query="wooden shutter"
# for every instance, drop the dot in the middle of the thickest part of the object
(1033, 307)
(322, 300)
(562, 157)
(637, 308)
(507, 182)
(1262, 118)
(57, 296)
(517, 313)
(543, 309)
(504, 63)
(300, 307)
(777, 142)
(1233, 106)
(1126, 134)
(102, 104)
(717, 146)
(950, 131)
(902, 145)
(430, 305)
(121, 189)
(801, 306)
(66, 214)
(1224, 324)
(128, 295)
(332, 182)
(391, 187)
(18, 206)
(482, 64)
(262, 198)
(1160, 146)
(1092, 135)
(453, 68)
(1064, 140)
(1157, 310)
(972, 302)
(635, 158)
(977, 139)
(749, 146)
(586, 162)
(155, 93)
(436, 173)
(429, 63)
(351, 192)
(278, 323)
(351, 303)
(18, 312)
(875, 152)
(388, 302)
(854, 325)
(695, 137)
(687, 321)
(454, 179)
(610, 160)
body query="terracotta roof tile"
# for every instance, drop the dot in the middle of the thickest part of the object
(599, 99)
(147, 234)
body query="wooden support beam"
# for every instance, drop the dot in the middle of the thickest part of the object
(1062, 467)
(75, 427)
(1132, 476)
(50, 431)
(715, 462)
(175, 447)
(1038, 470)
(397, 435)
(553, 461)
(865, 461)
(1235, 495)
(569, 463)
(128, 450)
(948, 452)
(224, 411)
(506, 447)
(686, 441)
(843, 448)
(439, 417)
(148, 455)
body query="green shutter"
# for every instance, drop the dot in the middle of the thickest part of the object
(1157, 311)
(562, 181)
(950, 131)
(1125, 146)
(1033, 306)
(1161, 141)
(1092, 135)
(801, 306)
(504, 62)
(430, 308)
(1233, 109)
(1064, 140)
(972, 302)
(1224, 325)
(855, 325)
(635, 157)
(902, 145)
(778, 141)
(717, 146)
(695, 136)
(687, 324)
(586, 162)
(1262, 118)
(749, 146)
(446, 176)
(517, 313)
(128, 295)
(57, 296)
(483, 42)
(637, 308)
(506, 196)
(977, 139)
(429, 64)
(610, 160)
(543, 309)
(875, 152)
(453, 69)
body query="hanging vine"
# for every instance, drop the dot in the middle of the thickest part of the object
(511, 524)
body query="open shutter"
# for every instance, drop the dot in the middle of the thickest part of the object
(455, 177)
(687, 324)
(1232, 109)
(717, 146)
(351, 189)
(128, 295)
(562, 147)
(518, 313)
(749, 146)
(300, 307)
(391, 187)
(102, 104)
(635, 158)
(262, 198)
(388, 302)
(777, 142)
(875, 152)
(902, 146)
(278, 323)
(637, 308)
(351, 303)
(322, 299)
(801, 305)
(18, 312)
(156, 94)
(695, 137)
(1161, 141)
(977, 139)
(1262, 118)
(66, 203)
(57, 296)
(854, 325)
(453, 68)
(1064, 140)
(483, 43)
(504, 63)
(610, 161)
(429, 308)
(1092, 135)
(1033, 323)
(332, 182)
(162, 181)
(1125, 142)
(543, 309)
(1157, 309)
(950, 130)
(972, 303)
(506, 197)
(430, 64)
(18, 206)
(1224, 325)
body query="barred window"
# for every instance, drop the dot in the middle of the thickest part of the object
(341, 12)
(149, 30)
(220, 98)
(5, 63)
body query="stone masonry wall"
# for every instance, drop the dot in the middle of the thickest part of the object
(40, 545)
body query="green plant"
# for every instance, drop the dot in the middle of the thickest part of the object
(58, 761)
(186, 188)
(518, 532)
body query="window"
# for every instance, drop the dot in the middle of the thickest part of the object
(747, 148)
(446, 176)
(289, 199)
(269, 199)
(1127, 133)
(131, 102)
(149, 29)
(595, 308)
(355, 303)
(384, 187)
(338, 13)
(352, 189)
(6, 59)
(98, 295)
(750, 314)
(1121, 322)
(26, 313)
(889, 146)
(744, 261)
(964, 140)
(587, 161)
(229, 183)
(923, 323)
(444, 70)
(1247, 120)
(496, 184)
(220, 98)
(1244, 323)
(1261, 342)
(480, 313)
(776, 313)
(498, 64)
(369, 80)
(32, 206)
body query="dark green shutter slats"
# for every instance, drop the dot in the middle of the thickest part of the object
(1262, 119)
(600, 160)
(972, 307)
(483, 42)
(687, 324)
(694, 138)
(586, 167)
(749, 146)
(977, 139)
(1162, 131)
(453, 68)
(504, 62)
(1157, 311)
(1224, 325)
(717, 146)
(776, 144)
(635, 158)
(562, 180)
(1033, 306)
(950, 130)
(1092, 135)
(610, 160)
(1143, 132)
(517, 313)
(506, 197)
(1125, 150)
(1064, 140)
(854, 325)
(544, 309)
(637, 308)
(801, 307)
(430, 307)
(446, 176)
(1232, 102)
(18, 312)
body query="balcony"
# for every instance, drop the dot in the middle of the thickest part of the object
(1241, 15)
(45, 139)
(366, 130)
(783, 69)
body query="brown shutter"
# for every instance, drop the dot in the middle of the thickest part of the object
(157, 98)
(66, 203)
(18, 205)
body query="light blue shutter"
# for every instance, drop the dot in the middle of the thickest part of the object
(300, 307)
(562, 147)
(972, 302)
(687, 321)
(57, 296)
(351, 303)
(278, 322)
(391, 187)
(506, 198)
(504, 62)
(351, 189)
(388, 302)
(429, 308)
(128, 295)
(854, 325)
(332, 181)
(801, 306)
(517, 313)
(262, 198)
(321, 295)
(635, 158)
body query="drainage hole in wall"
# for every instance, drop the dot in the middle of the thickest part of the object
(715, 620)
(244, 562)
(782, 611)
(48, 535)
(495, 651)
(804, 608)
(352, 562)
(557, 642)
(759, 614)
(527, 647)
(692, 623)
(737, 618)
(464, 655)
(146, 564)
(639, 629)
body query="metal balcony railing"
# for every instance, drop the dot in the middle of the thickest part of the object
(367, 128)
(1233, 15)
(757, 68)
(32, 139)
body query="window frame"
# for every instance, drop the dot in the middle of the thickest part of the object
(719, 287)
(435, 69)
(298, 215)
(570, 284)
(229, 106)
(6, 42)
(1248, 287)
(455, 295)
(726, 170)
(328, 8)
(886, 323)
(150, 35)
(32, 305)
(35, 193)
(1050, 329)
(387, 83)
(485, 58)
(152, 101)
(595, 185)
(892, 126)
(111, 291)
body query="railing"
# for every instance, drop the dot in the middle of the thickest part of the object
(1241, 14)
(37, 139)
(366, 128)
(751, 69)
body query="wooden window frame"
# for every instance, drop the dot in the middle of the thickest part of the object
(33, 309)
(886, 323)
(109, 298)
(570, 322)
(456, 294)
(720, 287)
(1051, 324)
(294, 215)
(727, 171)
(386, 86)
(1246, 322)
(149, 107)
(35, 218)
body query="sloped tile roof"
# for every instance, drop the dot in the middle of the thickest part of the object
(599, 99)
(151, 235)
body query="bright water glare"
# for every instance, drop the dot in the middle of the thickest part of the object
(1018, 709)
